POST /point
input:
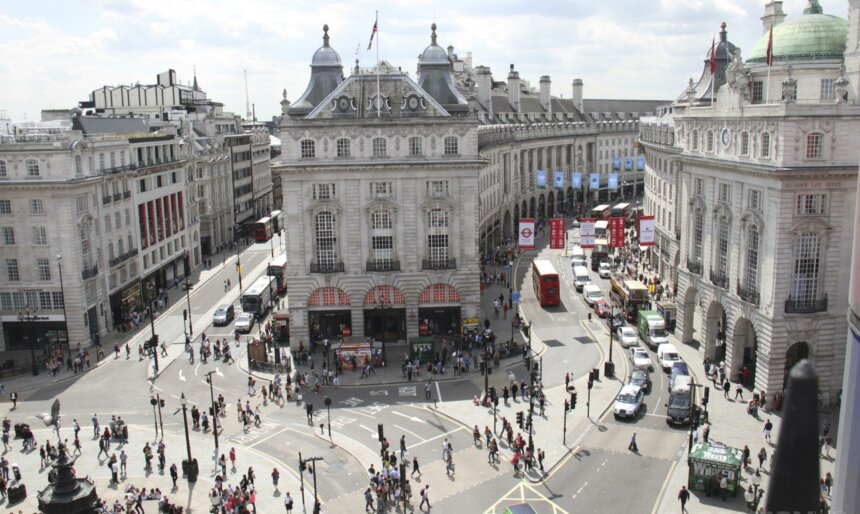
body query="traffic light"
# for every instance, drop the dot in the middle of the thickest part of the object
(302, 466)
(379, 429)
(706, 395)
(529, 422)
(694, 419)
(573, 400)
(566, 406)
(520, 419)
(526, 329)
(591, 379)
(184, 314)
(161, 402)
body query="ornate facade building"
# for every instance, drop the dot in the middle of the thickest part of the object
(753, 180)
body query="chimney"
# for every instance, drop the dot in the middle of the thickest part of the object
(514, 88)
(773, 16)
(545, 97)
(485, 87)
(451, 52)
(577, 94)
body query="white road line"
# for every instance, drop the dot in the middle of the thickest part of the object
(195, 369)
(355, 411)
(373, 433)
(255, 443)
(181, 376)
(438, 393)
(413, 434)
(410, 418)
(581, 488)
(189, 401)
(438, 436)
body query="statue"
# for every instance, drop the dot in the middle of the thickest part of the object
(734, 68)
(52, 419)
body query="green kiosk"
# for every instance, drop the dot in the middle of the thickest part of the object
(708, 463)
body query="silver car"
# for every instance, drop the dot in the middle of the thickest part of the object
(245, 322)
(627, 336)
(629, 402)
(641, 359)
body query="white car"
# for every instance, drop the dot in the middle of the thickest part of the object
(629, 402)
(245, 322)
(641, 359)
(627, 336)
(604, 270)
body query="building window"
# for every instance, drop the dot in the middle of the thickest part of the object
(107, 224)
(323, 191)
(379, 147)
(710, 141)
(751, 280)
(79, 170)
(745, 143)
(32, 168)
(117, 220)
(43, 267)
(695, 141)
(813, 145)
(382, 237)
(8, 236)
(726, 193)
(754, 200)
(437, 237)
(723, 247)
(757, 91)
(39, 236)
(2, 168)
(699, 187)
(451, 145)
(807, 251)
(415, 146)
(437, 188)
(12, 270)
(811, 205)
(5, 206)
(343, 149)
(828, 89)
(308, 149)
(326, 240)
(765, 145)
(380, 190)
(37, 206)
(698, 235)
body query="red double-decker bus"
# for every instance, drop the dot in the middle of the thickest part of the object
(263, 229)
(545, 282)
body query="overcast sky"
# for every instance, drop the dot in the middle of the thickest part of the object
(53, 53)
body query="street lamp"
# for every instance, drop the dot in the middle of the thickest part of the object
(187, 264)
(327, 403)
(190, 465)
(29, 317)
(214, 411)
(63, 295)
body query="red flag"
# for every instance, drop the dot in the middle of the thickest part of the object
(372, 34)
(713, 57)
(769, 58)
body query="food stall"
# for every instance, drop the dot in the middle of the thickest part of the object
(422, 348)
(364, 350)
(708, 462)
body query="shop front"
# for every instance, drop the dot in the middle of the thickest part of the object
(42, 331)
(281, 328)
(385, 314)
(439, 311)
(124, 302)
(329, 314)
(355, 352)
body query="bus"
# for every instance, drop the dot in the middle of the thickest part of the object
(601, 228)
(278, 270)
(622, 210)
(599, 253)
(277, 223)
(601, 212)
(263, 229)
(545, 282)
(257, 298)
(631, 295)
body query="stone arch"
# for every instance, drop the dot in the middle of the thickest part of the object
(560, 207)
(541, 207)
(744, 349)
(524, 212)
(384, 295)
(532, 207)
(439, 293)
(690, 299)
(507, 226)
(569, 201)
(328, 297)
(715, 332)
(796, 353)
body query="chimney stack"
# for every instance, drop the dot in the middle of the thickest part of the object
(577, 94)
(451, 52)
(485, 87)
(545, 95)
(773, 15)
(514, 89)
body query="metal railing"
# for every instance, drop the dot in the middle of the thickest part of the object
(429, 264)
(88, 273)
(117, 169)
(694, 267)
(328, 267)
(124, 257)
(798, 306)
(389, 265)
(126, 194)
(117, 197)
(719, 279)
(748, 294)
(106, 200)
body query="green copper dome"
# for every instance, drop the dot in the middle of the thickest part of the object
(812, 36)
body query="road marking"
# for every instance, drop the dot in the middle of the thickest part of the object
(413, 434)
(439, 436)
(381, 392)
(580, 490)
(181, 376)
(255, 443)
(410, 418)
(372, 432)
(438, 393)
(407, 391)
(655, 415)
(218, 371)
(663, 487)
(195, 369)
(180, 399)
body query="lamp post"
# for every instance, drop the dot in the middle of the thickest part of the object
(187, 264)
(29, 317)
(150, 296)
(327, 403)
(272, 245)
(63, 295)
(214, 412)
(190, 465)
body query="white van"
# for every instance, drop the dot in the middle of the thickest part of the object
(591, 293)
(580, 277)
(667, 354)
(577, 256)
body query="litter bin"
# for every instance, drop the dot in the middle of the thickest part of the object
(17, 493)
(190, 469)
(609, 369)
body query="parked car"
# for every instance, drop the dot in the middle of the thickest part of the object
(604, 270)
(224, 314)
(641, 359)
(629, 402)
(627, 336)
(245, 322)
(601, 308)
(641, 378)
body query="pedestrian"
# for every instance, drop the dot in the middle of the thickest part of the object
(632, 446)
(768, 427)
(368, 500)
(114, 473)
(275, 476)
(123, 462)
(762, 457)
(174, 474)
(828, 482)
(427, 390)
(222, 461)
(746, 455)
(13, 396)
(739, 391)
(402, 447)
(288, 503)
(726, 388)
(828, 442)
(506, 394)
(449, 465)
(567, 381)
(683, 496)
(425, 497)
(415, 467)
(233, 459)
(724, 486)
(541, 455)
(95, 425)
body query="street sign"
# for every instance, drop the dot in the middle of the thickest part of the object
(527, 234)
(556, 233)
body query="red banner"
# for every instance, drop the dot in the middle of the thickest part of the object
(616, 232)
(557, 233)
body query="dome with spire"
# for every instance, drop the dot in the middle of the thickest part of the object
(723, 48)
(325, 55)
(809, 37)
(433, 54)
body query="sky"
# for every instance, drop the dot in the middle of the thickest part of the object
(54, 53)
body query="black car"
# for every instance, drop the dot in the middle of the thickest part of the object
(615, 322)
(640, 378)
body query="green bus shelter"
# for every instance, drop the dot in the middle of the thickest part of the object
(708, 463)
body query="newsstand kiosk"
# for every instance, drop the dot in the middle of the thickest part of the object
(708, 463)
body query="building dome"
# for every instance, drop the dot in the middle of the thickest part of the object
(812, 36)
(433, 54)
(325, 55)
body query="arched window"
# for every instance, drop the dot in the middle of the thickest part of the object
(381, 239)
(379, 149)
(343, 147)
(437, 238)
(32, 168)
(765, 145)
(326, 240)
(813, 145)
(807, 269)
(696, 243)
(415, 146)
(451, 145)
(695, 141)
(753, 241)
(79, 170)
(308, 149)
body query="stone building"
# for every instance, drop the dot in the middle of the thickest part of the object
(380, 192)
(761, 177)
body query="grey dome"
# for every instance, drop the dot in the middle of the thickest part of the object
(433, 54)
(325, 55)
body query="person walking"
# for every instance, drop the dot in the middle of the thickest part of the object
(449, 465)
(222, 461)
(402, 447)
(415, 467)
(174, 474)
(727, 386)
(762, 457)
(425, 497)
(724, 486)
(768, 428)
(683, 496)
(233, 459)
(368, 501)
(275, 476)
(739, 392)
(427, 387)
(288, 503)
(633, 446)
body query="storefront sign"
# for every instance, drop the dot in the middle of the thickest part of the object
(557, 233)
(646, 230)
(594, 182)
(527, 233)
(33, 317)
(616, 232)
(586, 232)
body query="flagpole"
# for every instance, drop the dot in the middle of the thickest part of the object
(378, 97)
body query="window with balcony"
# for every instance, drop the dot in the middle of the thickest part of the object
(415, 146)
(308, 149)
(813, 145)
(450, 144)
(40, 236)
(381, 240)
(32, 168)
(343, 148)
(326, 240)
(437, 238)
(43, 269)
(379, 147)
(807, 269)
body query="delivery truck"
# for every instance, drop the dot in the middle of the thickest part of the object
(652, 328)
